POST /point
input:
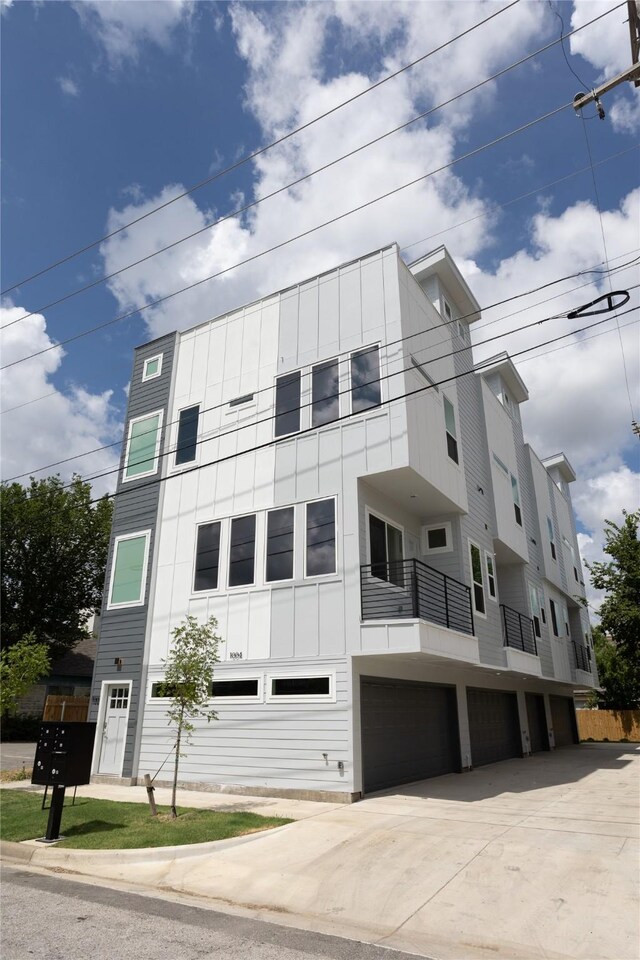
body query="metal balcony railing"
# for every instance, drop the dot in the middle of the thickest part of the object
(411, 589)
(582, 657)
(518, 631)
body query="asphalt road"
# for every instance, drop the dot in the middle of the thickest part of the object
(13, 755)
(52, 918)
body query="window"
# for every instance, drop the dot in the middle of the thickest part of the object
(552, 543)
(238, 401)
(385, 550)
(279, 545)
(491, 575)
(187, 435)
(423, 373)
(534, 604)
(119, 698)
(502, 466)
(207, 557)
(516, 500)
(321, 538)
(245, 689)
(565, 617)
(365, 379)
(476, 577)
(163, 691)
(325, 399)
(297, 688)
(128, 573)
(287, 404)
(461, 330)
(554, 618)
(437, 538)
(152, 368)
(446, 309)
(242, 551)
(141, 458)
(450, 424)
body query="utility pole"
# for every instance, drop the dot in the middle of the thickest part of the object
(631, 74)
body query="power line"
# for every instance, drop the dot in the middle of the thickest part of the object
(565, 346)
(274, 193)
(256, 153)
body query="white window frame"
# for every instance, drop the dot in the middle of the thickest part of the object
(154, 470)
(515, 498)
(447, 399)
(286, 506)
(212, 590)
(320, 576)
(552, 540)
(312, 367)
(301, 408)
(152, 376)
(491, 576)
(295, 698)
(477, 612)
(389, 584)
(370, 346)
(179, 467)
(241, 516)
(257, 698)
(424, 536)
(446, 306)
(130, 603)
(535, 591)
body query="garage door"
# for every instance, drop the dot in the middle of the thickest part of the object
(409, 732)
(538, 733)
(494, 726)
(563, 718)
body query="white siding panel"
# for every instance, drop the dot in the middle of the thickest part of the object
(306, 620)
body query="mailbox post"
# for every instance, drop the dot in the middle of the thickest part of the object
(63, 759)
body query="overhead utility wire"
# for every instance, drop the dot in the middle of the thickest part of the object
(274, 143)
(347, 416)
(437, 326)
(274, 193)
(299, 236)
(565, 346)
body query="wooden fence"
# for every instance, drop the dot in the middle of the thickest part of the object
(71, 709)
(609, 725)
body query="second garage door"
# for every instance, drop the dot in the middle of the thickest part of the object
(563, 718)
(494, 726)
(409, 732)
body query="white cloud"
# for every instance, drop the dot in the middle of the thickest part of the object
(67, 423)
(122, 26)
(625, 114)
(69, 86)
(605, 45)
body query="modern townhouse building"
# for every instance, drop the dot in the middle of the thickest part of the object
(395, 573)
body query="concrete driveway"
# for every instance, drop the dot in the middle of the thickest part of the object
(520, 860)
(13, 755)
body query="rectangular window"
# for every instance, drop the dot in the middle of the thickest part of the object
(141, 459)
(129, 570)
(287, 404)
(491, 575)
(294, 687)
(554, 618)
(450, 424)
(516, 500)
(446, 309)
(551, 538)
(207, 557)
(534, 605)
(187, 435)
(385, 547)
(325, 389)
(242, 551)
(163, 691)
(321, 538)
(152, 368)
(238, 401)
(476, 577)
(279, 545)
(246, 689)
(565, 617)
(365, 379)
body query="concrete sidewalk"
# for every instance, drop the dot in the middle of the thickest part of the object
(522, 860)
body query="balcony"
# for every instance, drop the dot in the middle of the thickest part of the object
(409, 589)
(518, 631)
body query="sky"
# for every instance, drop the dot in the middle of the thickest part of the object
(114, 107)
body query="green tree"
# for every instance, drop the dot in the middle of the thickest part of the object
(618, 676)
(54, 544)
(620, 578)
(21, 665)
(188, 677)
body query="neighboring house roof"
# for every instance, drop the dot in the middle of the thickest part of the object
(77, 662)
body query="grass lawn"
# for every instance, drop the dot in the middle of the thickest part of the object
(106, 825)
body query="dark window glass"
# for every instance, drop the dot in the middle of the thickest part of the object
(518, 513)
(234, 688)
(544, 616)
(280, 544)
(478, 583)
(365, 379)
(207, 557)
(187, 435)
(437, 538)
(245, 398)
(554, 618)
(287, 404)
(553, 550)
(450, 424)
(325, 400)
(575, 574)
(321, 538)
(536, 625)
(243, 550)
(162, 689)
(378, 547)
(300, 687)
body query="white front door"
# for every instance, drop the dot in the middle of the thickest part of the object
(114, 729)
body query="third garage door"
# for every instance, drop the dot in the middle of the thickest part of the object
(494, 726)
(563, 718)
(409, 732)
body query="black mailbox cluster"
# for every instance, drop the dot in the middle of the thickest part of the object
(63, 754)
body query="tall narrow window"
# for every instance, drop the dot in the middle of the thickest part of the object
(143, 444)
(552, 542)
(287, 404)
(325, 399)
(207, 557)
(516, 500)
(450, 424)
(280, 545)
(242, 551)
(365, 379)
(491, 576)
(187, 435)
(476, 576)
(129, 569)
(554, 618)
(534, 604)
(385, 545)
(321, 538)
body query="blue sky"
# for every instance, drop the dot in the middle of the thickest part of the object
(111, 107)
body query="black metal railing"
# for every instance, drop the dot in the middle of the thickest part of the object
(411, 589)
(518, 631)
(581, 656)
